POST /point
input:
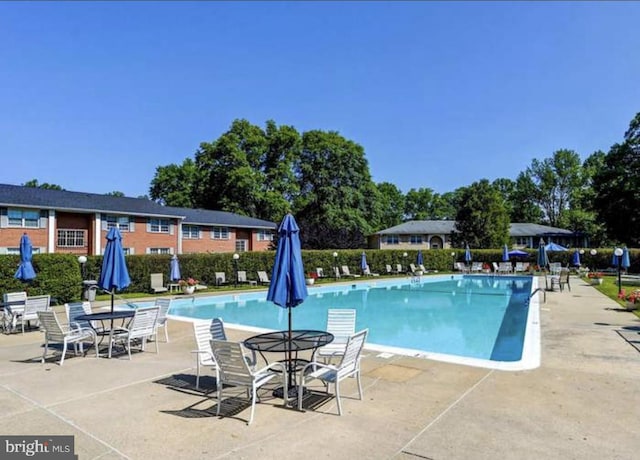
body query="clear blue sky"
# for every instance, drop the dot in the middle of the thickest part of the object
(94, 96)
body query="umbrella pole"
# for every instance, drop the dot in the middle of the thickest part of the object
(291, 365)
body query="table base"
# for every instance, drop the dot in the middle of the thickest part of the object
(292, 392)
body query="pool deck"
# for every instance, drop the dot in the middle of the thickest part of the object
(581, 403)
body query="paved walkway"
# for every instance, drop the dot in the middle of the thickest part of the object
(582, 402)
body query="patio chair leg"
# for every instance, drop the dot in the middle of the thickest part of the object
(166, 332)
(253, 403)
(338, 397)
(46, 346)
(359, 386)
(64, 352)
(197, 373)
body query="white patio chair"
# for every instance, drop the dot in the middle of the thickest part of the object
(54, 332)
(242, 277)
(232, 369)
(346, 272)
(341, 322)
(142, 327)
(157, 283)
(220, 278)
(349, 366)
(204, 332)
(320, 272)
(162, 321)
(32, 306)
(263, 278)
(14, 303)
(367, 271)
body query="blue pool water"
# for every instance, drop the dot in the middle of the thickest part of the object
(482, 317)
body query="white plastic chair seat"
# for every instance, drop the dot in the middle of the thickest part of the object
(54, 332)
(142, 327)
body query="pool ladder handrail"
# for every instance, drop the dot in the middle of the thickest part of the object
(541, 290)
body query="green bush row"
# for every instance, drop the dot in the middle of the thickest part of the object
(59, 274)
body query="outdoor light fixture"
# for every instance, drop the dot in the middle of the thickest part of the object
(335, 265)
(82, 260)
(593, 252)
(618, 253)
(453, 257)
(581, 251)
(236, 256)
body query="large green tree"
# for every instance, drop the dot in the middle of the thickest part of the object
(392, 205)
(482, 220)
(617, 188)
(34, 183)
(173, 184)
(337, 196)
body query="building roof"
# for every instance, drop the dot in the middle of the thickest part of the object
(63, 200)
(446, 227)
(222, 218)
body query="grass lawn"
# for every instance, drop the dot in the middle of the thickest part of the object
(609, 287)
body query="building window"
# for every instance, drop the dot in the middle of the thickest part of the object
(127, 251)
(241, 245)
(522, 241)
(119, 222)
(415, 239)
(71, 238)
(392, 239)
(158, 225)
(16, 251)
(265, 235)
(190, 232)
(23, 218)
(220, 233)
(159, 250)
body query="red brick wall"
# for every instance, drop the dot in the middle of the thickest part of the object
(140, 239)
(69, 221)
(10, 237)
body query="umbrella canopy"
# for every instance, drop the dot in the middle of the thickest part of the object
(174, 272)
(288, 287)
(614, 258)
(467, 254)
(25, 270)
(575, 258)
(114, 274)
(518, 253)
(543, 259)
(626, 263)
(505, 254)
(363, 261)
(554, 247)
(419, 259)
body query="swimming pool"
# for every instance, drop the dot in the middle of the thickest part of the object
(485, 321)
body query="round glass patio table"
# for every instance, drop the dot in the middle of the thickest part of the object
(278, 342)
(104, 317)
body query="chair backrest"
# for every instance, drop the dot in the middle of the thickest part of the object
(336, 272)
(495, 266)
(506, 266)
(204, 332)
(220, 277)
(519, 267)
(157, 280)
(351, 358)
(413, 268)
(476, 266)
(366, 270)
(15, 301)
(76, 309)
(242, 276)
(232, 366)
(398, 268)
(35, 304)
(422, 267)
(341, 322)
(51, 326)
(345, 270)
(262, 276)
(460, 266)
(388, 268)
(144, 322)
(164, 306)
(320, 272)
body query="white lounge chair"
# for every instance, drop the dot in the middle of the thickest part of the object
(346, 272)
(142, 327)
(232, 369)
(341, 322)
(54, 332)
(220, 278)
(349, 366)
(263, 278)
(157, 283)
(367, 271)
(320, 272)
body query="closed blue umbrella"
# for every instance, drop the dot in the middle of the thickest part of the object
(626, 263)
(614, 258)
(288, 286)
(505, 254)
(174, 273)
(467, 254)
(363, 262)
(419, 259)
(114, 274)
(25, 270)
(543, 259)
(575, 259)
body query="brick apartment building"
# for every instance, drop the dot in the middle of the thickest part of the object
(77, 223)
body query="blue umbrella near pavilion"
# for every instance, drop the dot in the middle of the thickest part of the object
(626, 263)
(419, 259)
(467, 254)
(25, 270)
(174, 269)
(288, 287)
(543, 259)
(575, 258)
(363, 262)
(114, 274)
(505, 254)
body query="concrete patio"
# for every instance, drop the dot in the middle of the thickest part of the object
(581, 403)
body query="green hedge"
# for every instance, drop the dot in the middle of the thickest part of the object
(59, 274)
